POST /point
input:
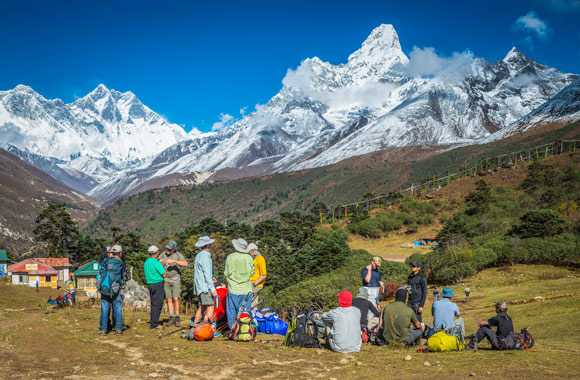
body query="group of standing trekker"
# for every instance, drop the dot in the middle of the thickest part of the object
(245, 272)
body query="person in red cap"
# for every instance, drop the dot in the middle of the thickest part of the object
(343, 325)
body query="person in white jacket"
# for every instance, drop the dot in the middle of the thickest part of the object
(343, 332)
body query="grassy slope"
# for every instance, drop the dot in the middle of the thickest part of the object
(158, 213)
(64, 343)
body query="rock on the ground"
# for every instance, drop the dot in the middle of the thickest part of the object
(408, 357)
(153, 375)
(173, 377)
(426, 363)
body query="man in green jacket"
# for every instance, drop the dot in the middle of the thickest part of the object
(238, 271)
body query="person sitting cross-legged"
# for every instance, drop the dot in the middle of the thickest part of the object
(396, 320)
(444, 312)
(343, 332)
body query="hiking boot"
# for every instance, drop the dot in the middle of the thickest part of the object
(472, 342)
(170, 321)
(102, 332)
(177, 321)
(158, 327)
(118, 331)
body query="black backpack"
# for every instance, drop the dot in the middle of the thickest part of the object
(302, 332)
(514, 341)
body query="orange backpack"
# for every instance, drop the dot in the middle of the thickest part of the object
(203, 332)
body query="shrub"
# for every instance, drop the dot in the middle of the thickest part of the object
(539, 223)
(412, 228)
(406, 218)
(319, 293)
(388, 222)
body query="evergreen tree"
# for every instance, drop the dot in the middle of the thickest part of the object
(55, 227)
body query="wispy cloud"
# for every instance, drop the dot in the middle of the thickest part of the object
(425, 62)
(531, 23)
(562, 6)
(225, 120)
(243, 110)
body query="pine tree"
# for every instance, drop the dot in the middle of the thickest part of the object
(55, 226)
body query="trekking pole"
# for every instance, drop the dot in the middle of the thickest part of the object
(173, 332)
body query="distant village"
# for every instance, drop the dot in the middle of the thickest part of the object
(47, 272)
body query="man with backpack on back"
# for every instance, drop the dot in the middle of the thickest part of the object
(238, 271)
(417, 288)
(172, 262)
(112, 277)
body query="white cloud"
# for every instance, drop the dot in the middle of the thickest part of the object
(530, 22)
(243, 110)
(365, 94)
(225, 120)
(425, 62)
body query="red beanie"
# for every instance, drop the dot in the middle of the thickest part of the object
(345, 299)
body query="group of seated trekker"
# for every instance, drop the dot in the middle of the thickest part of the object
(398, 322)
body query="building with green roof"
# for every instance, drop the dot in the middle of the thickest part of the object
(86, 278)
(4, 262)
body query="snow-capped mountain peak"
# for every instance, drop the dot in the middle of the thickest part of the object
(378, 53)
(323, 114)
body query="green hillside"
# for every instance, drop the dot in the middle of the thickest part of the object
(157, 213)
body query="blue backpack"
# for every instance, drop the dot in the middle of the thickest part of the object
(110, 277)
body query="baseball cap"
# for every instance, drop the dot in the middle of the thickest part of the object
(153, 250)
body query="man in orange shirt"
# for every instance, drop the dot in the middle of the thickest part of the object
(259, 275)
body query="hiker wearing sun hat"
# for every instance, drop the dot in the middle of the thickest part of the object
(343, 333)
(238, 271)
(154, 275)
(444, 312)
(172, 262)
(203, 286)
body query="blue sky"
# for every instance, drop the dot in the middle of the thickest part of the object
(193, 61)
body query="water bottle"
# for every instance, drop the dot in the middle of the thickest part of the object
(217, 302)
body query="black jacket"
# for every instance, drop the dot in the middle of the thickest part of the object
(418, 289)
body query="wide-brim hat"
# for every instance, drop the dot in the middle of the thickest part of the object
(447, 293)
(252, 246)
(203, 241)
(240, 245)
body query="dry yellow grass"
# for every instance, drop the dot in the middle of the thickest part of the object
(391, 247)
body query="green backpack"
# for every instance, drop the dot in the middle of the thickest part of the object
(443, 342)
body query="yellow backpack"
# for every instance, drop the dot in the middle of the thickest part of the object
(443, 342)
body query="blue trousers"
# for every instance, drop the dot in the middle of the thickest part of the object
(106, 303)
(233, 304)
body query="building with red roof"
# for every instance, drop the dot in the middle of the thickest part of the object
(30, 271)
(61, 264)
